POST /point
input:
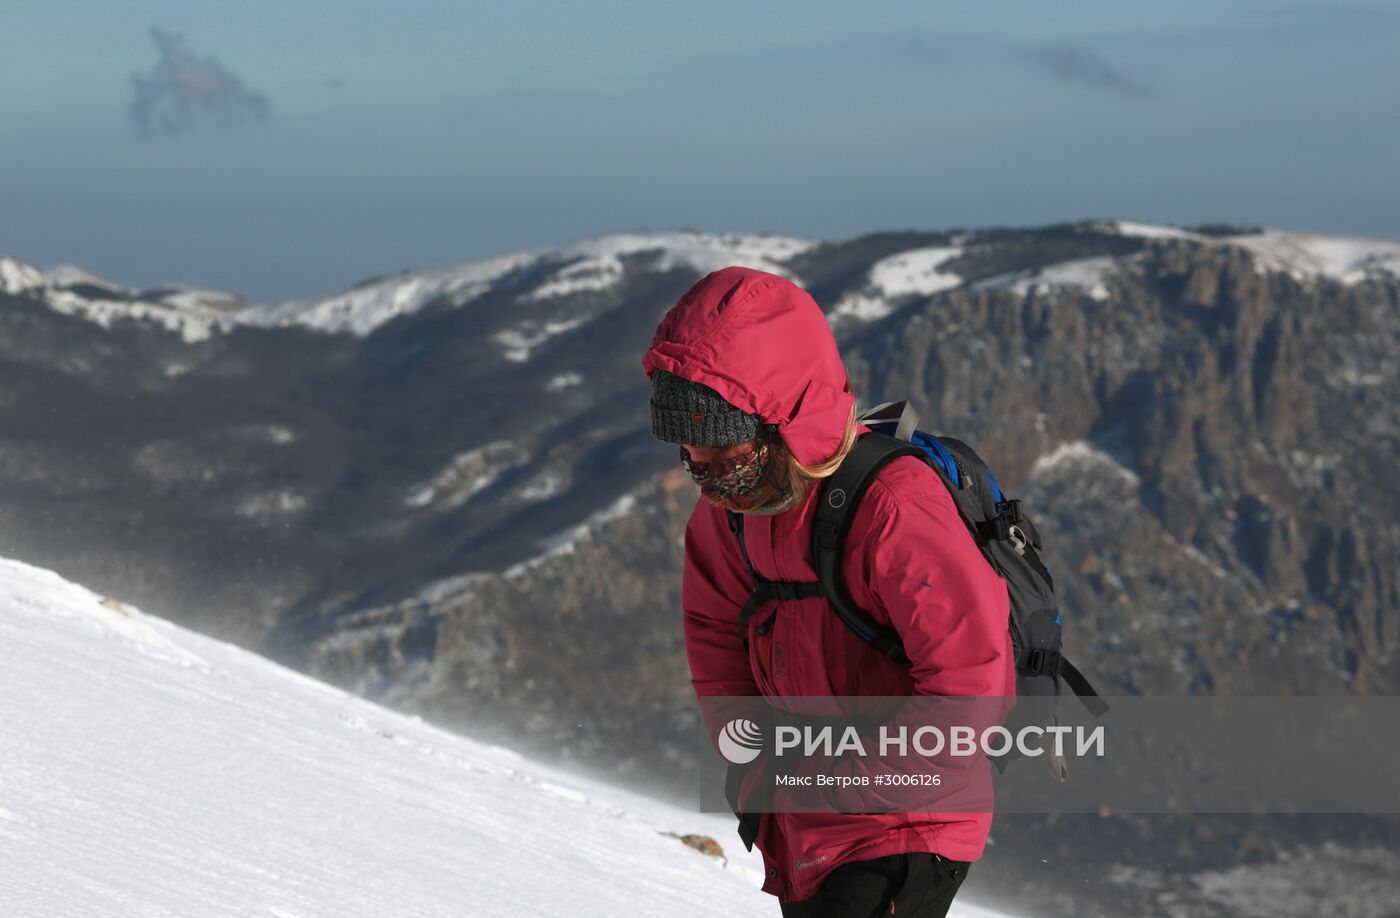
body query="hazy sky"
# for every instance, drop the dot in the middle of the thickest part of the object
(278, 149)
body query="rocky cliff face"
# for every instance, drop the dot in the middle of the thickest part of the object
(1210, 445)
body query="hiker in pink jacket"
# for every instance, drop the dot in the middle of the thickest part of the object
(746, 377)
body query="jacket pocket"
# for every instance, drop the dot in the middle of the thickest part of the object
(951, 869)
(932, 882)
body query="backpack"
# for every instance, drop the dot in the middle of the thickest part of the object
(998, 524)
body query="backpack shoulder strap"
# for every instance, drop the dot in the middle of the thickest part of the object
(836, 505)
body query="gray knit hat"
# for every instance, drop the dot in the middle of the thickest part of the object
(683, 411)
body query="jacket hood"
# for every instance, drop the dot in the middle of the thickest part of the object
(764, 345)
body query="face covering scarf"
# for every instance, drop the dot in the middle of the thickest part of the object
(744, 482)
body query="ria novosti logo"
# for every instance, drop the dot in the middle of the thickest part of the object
(741, 741)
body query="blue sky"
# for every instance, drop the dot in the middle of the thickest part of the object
(283, 149)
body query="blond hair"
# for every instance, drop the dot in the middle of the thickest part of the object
(793, 479)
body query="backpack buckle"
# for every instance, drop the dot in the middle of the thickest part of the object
(1017, 538)
(1043, 663)
(785, 591)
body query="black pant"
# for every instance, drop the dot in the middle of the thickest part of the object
(913, 885)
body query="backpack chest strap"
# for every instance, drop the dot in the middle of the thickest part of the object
(765, 590)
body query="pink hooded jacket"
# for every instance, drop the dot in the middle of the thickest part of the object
(764, 345)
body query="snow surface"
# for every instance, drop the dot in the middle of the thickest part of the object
(267, 504)
(1089, 274)
(198, 298)
(915, 272)
(364, 308)
(561, 381)
(1304, 256)
(1345, 259)
(596, 264)
(191, 319)
(192, 322)
(1151, 230)
(520, 342)
(18, 277)
(1080, 455)
(148, 770)
(597, 273)
(72, 275)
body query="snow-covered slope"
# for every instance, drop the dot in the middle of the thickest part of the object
(18, 277)
(147, 770)
(1088, 274)
(1305, 256)
(592, 264)
(192, 313)
(913, 272)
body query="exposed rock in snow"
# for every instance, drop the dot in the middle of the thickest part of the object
(564, 542)
(1080, 456)
(519, 342)
(279, 434)
(271, 504)
(564, 381)
(192, 321)
(544, 486)
(467, 474)
(596, 273)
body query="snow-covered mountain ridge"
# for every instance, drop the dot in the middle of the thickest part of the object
(593, 264)
(148, 770)
(598, 264)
